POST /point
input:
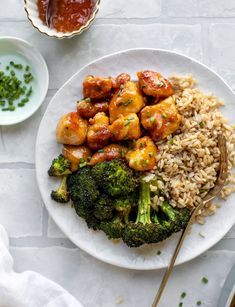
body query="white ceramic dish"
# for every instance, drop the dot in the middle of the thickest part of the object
(20, 51)
(96, 243)
(31, 9)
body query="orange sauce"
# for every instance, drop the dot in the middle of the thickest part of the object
(66, 15)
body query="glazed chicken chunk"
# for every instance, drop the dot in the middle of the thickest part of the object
(97, 87)
(126, 100)
(143, 156)
(71, 129)
(161, 119)
(98, 134)
(126, 128)
(87, 109)
(108, 153)
(121, 79)
(154, 84)
(76, 155)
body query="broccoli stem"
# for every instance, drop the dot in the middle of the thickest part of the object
(144, 204)
(61, 195)
(168, 210)
(126, 217)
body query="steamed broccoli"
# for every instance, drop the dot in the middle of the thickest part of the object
(115, 178)
(113, 228)
(83, 188)
(61, 195)
(84, 194)
(60, 167)
(124, 205)
(151, 226)
(103, 208)
(176, 219)
(143, 230)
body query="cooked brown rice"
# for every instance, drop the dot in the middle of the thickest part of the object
(188, 161)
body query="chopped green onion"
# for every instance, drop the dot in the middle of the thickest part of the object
(128, 121)
(29, 93)
(12, 89)
(183, 295)
(199, 303)
(25, 100)
(28, 78)
(204, 280)
(152, 120)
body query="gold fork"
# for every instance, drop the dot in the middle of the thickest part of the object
(211, 195)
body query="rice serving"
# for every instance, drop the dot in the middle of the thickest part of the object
(188, 161)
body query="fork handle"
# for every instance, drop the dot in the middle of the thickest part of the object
(173, 259)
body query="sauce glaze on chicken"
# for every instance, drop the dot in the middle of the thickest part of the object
(120, 118)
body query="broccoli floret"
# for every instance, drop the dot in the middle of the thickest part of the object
(176, 218)
(82, 186)
(151, 226)
(113, 229)
(92, 221)
(61, 195)
(125, 204)
(83, 191)
(60, 167)
(143, 230)
(103, 209)
(115, 178)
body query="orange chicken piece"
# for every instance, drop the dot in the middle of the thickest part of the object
(121, 79)
(97, 87)
(76, 155)
(143, 156)
(71, 129)
(161, 119)
(98, 134)
(126, 128)
(87, 109)
(126, 100)
(108, 153)
(154, 84)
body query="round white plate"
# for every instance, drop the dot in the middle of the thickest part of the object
(21, 52)
(96, 243)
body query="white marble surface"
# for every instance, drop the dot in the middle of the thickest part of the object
(205, 31)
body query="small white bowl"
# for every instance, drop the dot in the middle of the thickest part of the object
(31, 9)
(20, 51)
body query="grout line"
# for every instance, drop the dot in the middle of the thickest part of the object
(44, 221)
(164, 10)
(40, 241)
(161, 19)
(1, 138)
(17, 165)
(205, 43)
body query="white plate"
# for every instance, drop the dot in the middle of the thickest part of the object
(20, 51)
(96, 243)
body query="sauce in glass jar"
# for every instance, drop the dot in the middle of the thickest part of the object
(66, 15)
